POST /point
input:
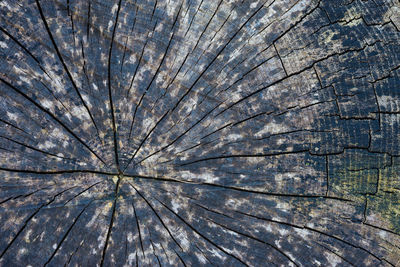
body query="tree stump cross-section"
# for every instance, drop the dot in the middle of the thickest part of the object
(200, 133)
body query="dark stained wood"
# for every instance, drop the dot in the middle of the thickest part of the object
(200, 133)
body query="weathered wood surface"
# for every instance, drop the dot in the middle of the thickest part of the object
(188, 132)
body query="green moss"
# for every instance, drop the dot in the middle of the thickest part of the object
(387, 205)
(358, 174)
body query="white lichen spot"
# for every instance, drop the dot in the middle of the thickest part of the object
(46, 145)
(234, 137)
(352, 17)
(147, 123)
(387, 101)
(3, 45)
(302, 232)
(65, 144)
(93, 219)
(12, 116)
(253, 5)
(95, 87)
(22, 251)
(317, 263)
(129, 237)
(80, 113)
(332, 259)
(283, 231)
(201, 257)
(183, 240)
(101, 239)
(87, 100)
(382, 234)
(27, 236)
(47, 103)
(110, 24)
(114, 8)
(25, 80)
(271, 128)
(175, 205)
(131, 257)
(268, 228)
(217, 253)
(208, 177)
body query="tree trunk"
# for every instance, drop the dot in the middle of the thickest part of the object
(200, 132)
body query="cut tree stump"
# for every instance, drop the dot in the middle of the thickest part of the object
(200, 133)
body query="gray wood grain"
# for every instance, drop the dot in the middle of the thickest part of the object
(199, 133)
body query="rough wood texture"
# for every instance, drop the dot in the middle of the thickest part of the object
(200, 132)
